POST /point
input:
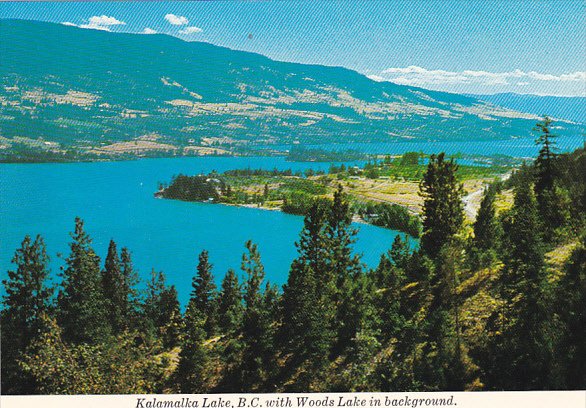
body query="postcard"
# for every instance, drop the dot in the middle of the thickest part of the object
(238, 204)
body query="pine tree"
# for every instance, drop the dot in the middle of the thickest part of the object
(192, 371)
(346, 267)
(400, 251)
(571, 294)
(151, 314)
(545, 162)
(113, 286)
(300, 290)
(27, 301)
(257, 341)
(81, 311)
(553, 206)
(203, 295)
(162, 316)
(390, 280)
(340, 236)
(443, 213)
(443, 365)
(171, 319)
(487, 231)
(519, 351)
(308, 330)
(131, 309)
(230, 306)
(397, 311)
(486, 228)
(266, 191)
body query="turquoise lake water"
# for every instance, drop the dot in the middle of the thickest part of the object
(115, 199)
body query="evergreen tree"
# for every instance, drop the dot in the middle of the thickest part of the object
(118, 365)
(308, 331)
(364, 346)
(203, 295)
(443, 213)
(571, 350)
(161, 310)
(131, 306)
(81, 309)
(487, 231)
(266, 192)
(27, 301)
(442, 367)
(340, 236)
(192, 373)
(486, 226)
(545, 162)
(113, 286)
(400, 251)
(346, 267)
(521, 332)
(271, 301)
(230, 306)
(390, 279)
(553, 205)
(300, 293)
(397, 309)
(171, 320)
(152, 298)
(257, 341)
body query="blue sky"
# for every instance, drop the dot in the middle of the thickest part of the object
(458, 46)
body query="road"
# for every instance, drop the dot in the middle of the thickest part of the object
(472, 200)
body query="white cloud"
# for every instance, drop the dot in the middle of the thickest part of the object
(149, 31)
(176, 20)
(377, 78)
(418, 76)
(104, 20)
(98, 23)
(95, 27)
(486, 82)
(190, 30)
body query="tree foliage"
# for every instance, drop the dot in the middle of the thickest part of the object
(443, 213)
(27, 303)
(81, 302)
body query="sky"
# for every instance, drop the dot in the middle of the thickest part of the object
(477, 46)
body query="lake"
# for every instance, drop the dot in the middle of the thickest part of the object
(115, 199)
(520, 147)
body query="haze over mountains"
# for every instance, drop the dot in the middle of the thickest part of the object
(102, 93)
(571, 108)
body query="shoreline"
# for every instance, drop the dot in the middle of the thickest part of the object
(356, 219)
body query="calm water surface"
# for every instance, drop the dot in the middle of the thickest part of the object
(115, 199)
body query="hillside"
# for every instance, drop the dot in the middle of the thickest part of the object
(563, 107)
(67, 92)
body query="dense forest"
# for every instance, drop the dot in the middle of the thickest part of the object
(494, 305)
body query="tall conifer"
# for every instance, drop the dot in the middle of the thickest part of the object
(81, 306)
(113, 286)
(521, 334)
(257, 339)
(443, 213)
(230, 306)
(131, 309)
(27, 301)
(192, 373)
(203, 295)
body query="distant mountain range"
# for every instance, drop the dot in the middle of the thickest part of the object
(66, 90)
(563, 107)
